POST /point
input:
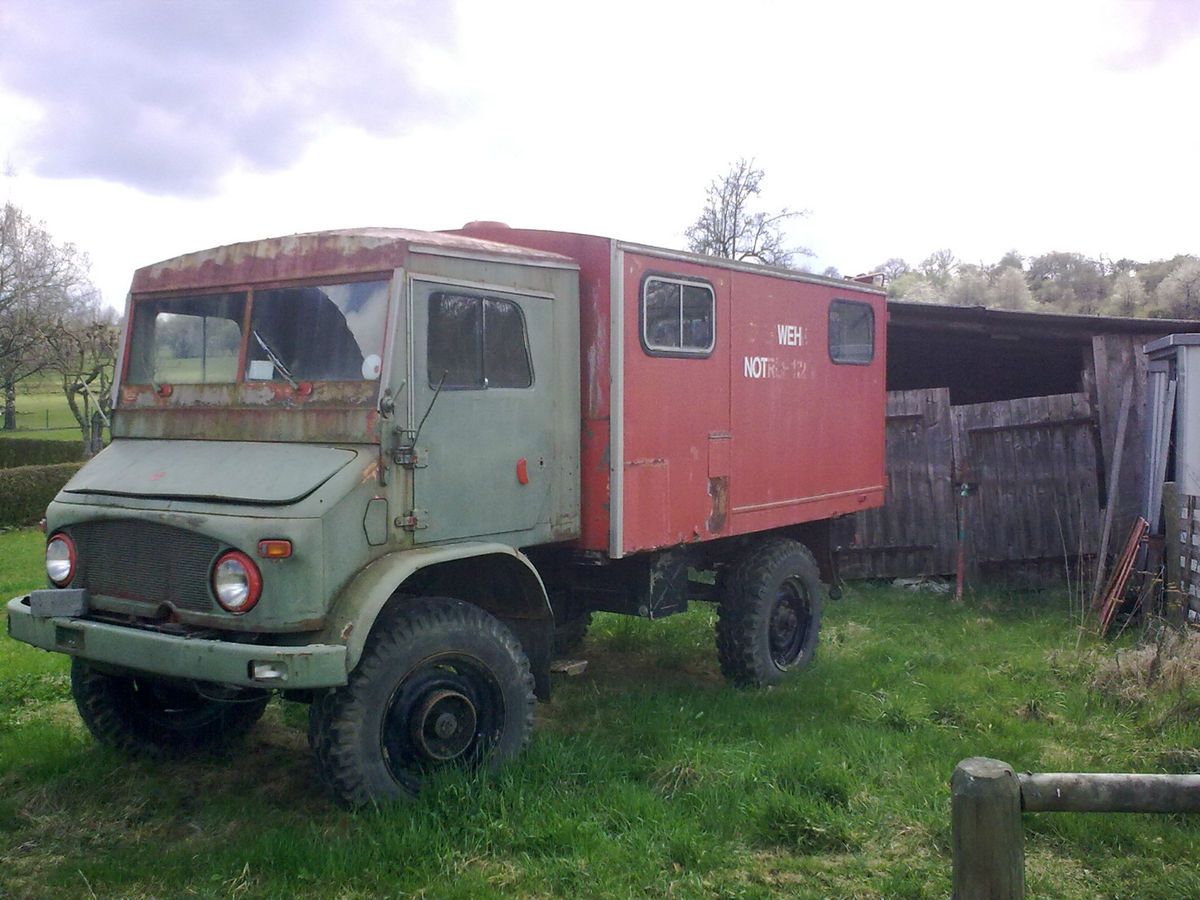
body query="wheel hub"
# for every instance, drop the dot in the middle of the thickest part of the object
(788, 626)
(443, 726)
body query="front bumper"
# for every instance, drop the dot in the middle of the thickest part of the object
(200, 659)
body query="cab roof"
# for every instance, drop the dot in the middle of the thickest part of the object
(321, 253)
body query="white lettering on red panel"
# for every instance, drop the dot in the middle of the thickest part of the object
(790, 335)
(779, 367)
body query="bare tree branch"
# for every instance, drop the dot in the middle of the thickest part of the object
(728, 227)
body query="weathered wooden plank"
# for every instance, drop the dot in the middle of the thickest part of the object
(1118, 358)
(1108, 792)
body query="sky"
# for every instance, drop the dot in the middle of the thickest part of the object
(142, 129)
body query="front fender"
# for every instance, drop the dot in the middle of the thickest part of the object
(358, 605)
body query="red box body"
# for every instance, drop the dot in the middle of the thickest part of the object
(765, 431)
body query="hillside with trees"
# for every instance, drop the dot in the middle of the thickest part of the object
(732, 225)
(1053, 282)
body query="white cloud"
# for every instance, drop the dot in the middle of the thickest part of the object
(902, 127)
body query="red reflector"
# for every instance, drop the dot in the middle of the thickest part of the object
(274, 549)
(522, 471)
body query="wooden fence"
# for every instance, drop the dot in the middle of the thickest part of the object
(1031, 468)
(987, 798)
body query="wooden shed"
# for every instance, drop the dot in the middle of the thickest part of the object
(1006, 423)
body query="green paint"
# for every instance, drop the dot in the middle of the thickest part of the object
(226, 466)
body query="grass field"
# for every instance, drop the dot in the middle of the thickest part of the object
(42, 413)
(647, 776)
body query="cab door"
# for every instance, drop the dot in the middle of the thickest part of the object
(482, 416)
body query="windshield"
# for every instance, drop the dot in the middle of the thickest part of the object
(312, 333)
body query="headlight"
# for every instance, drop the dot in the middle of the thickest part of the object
(236, 581)
(60, 560)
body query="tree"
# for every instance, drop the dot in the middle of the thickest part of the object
(1179, 293)
(41, 283)
(1127, 296)
(1070, 282)
(1009, 290)
(81, 351)
(730, 227)
(939, 267)
(1011, 260)
(893, 268)
(969, 288)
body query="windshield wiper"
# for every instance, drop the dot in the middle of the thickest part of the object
(283, 370)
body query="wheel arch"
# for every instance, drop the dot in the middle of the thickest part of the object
(495, 577)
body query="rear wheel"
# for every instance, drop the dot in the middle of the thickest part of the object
(146, 716)
(440, 684)
(770, 613)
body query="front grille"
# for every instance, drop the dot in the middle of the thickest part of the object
(145, 561)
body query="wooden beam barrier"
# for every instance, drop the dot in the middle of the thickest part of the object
(987, 798)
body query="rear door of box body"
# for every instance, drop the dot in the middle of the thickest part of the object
(807, 417)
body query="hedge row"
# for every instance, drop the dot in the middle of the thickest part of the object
(25, 492)
(16, 452)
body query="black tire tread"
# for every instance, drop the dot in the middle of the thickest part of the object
(740, 615)
(99, 704)
(334, 731)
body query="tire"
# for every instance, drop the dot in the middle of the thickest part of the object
(148, 717)
(770, 613)
(569, 636)
(441, 684)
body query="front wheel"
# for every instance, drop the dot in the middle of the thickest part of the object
(146, 716)
(441, 684)
(770, 613)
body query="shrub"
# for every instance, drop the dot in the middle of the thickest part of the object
(16, 452)
(26, 491)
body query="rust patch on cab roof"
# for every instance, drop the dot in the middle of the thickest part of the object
(317, 254)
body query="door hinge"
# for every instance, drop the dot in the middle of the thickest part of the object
(406, 453)
(411, 457)
(414, 520)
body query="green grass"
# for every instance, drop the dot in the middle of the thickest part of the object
(41, 407)
(647, 775)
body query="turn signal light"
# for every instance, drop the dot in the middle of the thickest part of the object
(274, 549)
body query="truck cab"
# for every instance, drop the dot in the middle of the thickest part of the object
(289, 459)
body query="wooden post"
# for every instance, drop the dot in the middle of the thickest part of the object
(985, 815)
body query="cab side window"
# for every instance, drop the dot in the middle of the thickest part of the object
(475, 343)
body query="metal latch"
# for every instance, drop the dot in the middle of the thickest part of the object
(414, 520)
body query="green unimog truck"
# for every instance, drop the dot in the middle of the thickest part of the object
(346, 466)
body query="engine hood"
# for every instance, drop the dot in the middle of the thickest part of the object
(220, 471)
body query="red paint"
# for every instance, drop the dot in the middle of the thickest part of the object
(708, 451)
(522, 471)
